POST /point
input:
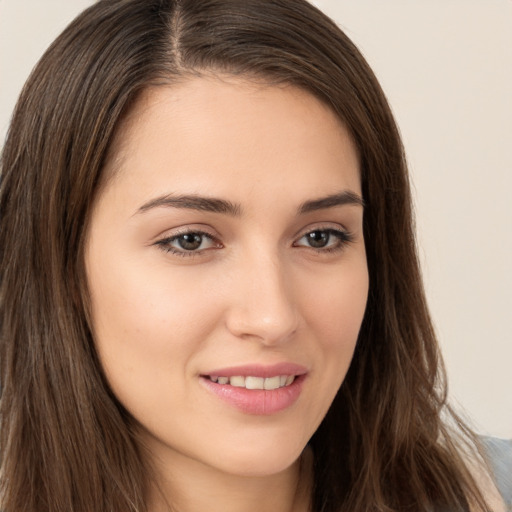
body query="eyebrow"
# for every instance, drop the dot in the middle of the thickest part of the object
(193, 202)
(215, 205)
(340, 199)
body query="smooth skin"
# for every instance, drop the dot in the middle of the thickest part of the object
(178, 290)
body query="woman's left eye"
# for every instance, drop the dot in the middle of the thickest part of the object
(324, 239)
(188, 244)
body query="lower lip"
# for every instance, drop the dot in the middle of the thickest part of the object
(261, 402)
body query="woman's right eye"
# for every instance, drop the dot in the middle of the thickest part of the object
(189, 243)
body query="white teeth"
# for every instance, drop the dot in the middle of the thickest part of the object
(254, 382)
(272, 382)
(250, 382)
(238, 381)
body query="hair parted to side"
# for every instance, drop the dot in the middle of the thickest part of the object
(66, 443)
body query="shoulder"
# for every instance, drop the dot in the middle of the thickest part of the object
(499, 457)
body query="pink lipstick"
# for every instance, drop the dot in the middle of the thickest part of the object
(257, 389)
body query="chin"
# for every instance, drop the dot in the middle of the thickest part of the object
(261, 459)
(259, 468)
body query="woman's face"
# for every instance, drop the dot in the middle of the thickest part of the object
(227, 271)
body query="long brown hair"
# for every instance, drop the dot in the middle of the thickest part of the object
(66, 443)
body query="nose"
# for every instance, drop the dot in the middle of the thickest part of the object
(261, 302)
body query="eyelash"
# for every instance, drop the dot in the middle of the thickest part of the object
(343, 238)
(165, 243)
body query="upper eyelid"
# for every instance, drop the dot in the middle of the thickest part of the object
(174, 236)
(342, 234)
(164, 243)
(321, 226)
(209, 232)
(184, 230)
(331, 229)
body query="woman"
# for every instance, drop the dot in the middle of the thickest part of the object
(210, 293)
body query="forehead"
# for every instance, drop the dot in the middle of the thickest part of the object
(224, 132)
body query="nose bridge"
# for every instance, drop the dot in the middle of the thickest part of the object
(263, 305)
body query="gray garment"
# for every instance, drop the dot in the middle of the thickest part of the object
(500, 459)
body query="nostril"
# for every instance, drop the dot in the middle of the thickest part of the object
(263, 306)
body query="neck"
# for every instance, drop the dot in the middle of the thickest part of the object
(190, 486)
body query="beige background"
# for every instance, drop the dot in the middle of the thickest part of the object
(446, 66)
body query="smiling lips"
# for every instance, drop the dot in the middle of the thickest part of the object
(251, 382)
(258, 390)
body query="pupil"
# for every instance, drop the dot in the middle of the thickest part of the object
(190, 242)
(318, 238)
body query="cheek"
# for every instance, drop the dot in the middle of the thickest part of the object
(336, 308)
(333, 311)
(147, 320)
(335, 316)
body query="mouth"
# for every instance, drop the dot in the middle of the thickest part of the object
(253, 382)
(257, 389)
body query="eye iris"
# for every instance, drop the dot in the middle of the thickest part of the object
(190, 241)
(318, 238)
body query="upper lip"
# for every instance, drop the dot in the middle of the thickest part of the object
(259, 370)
